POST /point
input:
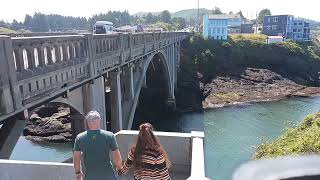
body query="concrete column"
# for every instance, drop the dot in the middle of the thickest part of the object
(131, 46)
(94, 99)
(116, 104)
(131, 82)
(9, 98)
(10, 134)
(172, 72)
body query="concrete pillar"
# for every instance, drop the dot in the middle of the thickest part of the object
(116, 104)
(94, 99)
(131, 82)
(127, 82)
(9, 98)
(10, 134)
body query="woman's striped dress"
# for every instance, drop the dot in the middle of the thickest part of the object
(153, 166)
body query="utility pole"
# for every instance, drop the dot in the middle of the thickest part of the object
(198, 21)
(256, 23)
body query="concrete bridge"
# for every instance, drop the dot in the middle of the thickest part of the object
(81, 71)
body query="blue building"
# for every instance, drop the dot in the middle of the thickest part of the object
(300, 30)
(215, 27)
(286, 26)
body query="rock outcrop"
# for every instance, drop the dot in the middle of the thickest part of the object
(49, 124)
(252, 85)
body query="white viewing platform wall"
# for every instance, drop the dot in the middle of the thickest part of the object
(185, 151)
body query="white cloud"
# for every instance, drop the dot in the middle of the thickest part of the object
(16, 9)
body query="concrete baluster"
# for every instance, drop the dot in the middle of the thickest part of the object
(31, 58)
(65, 52)
(19, 59)
(57, 53)
(77, 49)
(49, 55)
(41, 57)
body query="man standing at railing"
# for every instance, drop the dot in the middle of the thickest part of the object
(96, 145)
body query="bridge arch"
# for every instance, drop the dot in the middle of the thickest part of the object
(164, 65)
(156, 75)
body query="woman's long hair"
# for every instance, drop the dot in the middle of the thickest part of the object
(147, 140)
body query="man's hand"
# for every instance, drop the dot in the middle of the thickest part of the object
(79, 176)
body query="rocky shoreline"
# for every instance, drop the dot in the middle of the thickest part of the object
(49, 124)
(250, 86)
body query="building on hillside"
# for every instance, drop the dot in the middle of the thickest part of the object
(300, 30)
(247, 28)
(286, 26)
(215, 27)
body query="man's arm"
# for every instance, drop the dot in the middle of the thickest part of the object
(76, 160)
(117, 159)
(76, 164)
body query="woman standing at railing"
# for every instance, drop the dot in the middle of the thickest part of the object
(147, 158)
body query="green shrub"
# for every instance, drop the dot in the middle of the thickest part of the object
(298, 61)
(302, 139)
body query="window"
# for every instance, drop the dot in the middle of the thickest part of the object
(268, 27)
(218, 32)
(294, 30)
(269, 19)
(275, 19)
(274, 27)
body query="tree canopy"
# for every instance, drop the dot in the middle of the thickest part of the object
(262, 14)
(165, 16)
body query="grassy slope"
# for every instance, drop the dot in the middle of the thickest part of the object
(190, 13)
(6, 30)
(303, 139)
(253, 37)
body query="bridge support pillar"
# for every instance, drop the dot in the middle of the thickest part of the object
(116, 101)
(94, 94)
(10, 133)
(127, 82)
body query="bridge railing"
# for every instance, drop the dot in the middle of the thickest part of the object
(35, 68)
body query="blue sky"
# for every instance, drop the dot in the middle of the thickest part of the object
(16, 9)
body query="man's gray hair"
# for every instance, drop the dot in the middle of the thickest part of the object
(93, 116)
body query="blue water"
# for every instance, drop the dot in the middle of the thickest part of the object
(233, 133)
(28, 151)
